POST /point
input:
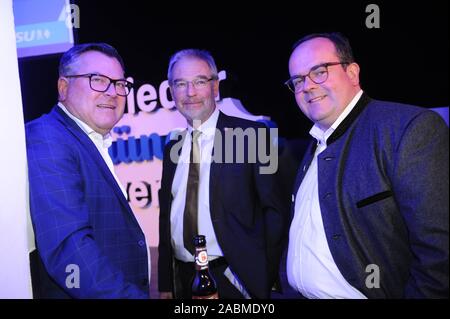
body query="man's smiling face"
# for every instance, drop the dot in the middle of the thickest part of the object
(100, 110)
(323, 103)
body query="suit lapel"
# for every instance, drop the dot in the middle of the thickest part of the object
(96, 157)
(351, 117)
(169, 166)
(215, 169)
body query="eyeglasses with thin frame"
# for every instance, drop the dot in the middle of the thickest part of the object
(198, 83)
(318, 74)
(101, 83)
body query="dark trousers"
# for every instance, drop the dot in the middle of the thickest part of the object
(184, 273)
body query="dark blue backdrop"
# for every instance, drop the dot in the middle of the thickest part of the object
(405, 60)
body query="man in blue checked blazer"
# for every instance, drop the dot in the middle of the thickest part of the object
(89, 244)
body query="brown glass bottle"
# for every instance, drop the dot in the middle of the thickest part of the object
(203, 285)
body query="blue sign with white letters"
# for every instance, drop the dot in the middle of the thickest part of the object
(43, 27)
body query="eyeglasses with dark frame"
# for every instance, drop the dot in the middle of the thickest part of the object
(101, 83)
(318, 74)
(198, 83)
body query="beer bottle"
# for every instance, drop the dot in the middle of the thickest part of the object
(203, 285)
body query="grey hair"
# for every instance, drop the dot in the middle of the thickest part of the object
(192, 53)
(72, 55)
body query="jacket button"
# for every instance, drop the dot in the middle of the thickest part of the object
(328, 158)
(141, 243)
(336, 236)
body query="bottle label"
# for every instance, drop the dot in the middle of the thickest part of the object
(202, 258)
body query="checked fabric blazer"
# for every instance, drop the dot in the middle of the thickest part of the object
(80, 218)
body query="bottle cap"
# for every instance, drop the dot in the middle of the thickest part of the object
(199, 240)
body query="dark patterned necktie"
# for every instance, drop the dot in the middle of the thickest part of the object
(190, 221)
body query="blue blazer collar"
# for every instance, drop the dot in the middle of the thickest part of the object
(82, 137)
